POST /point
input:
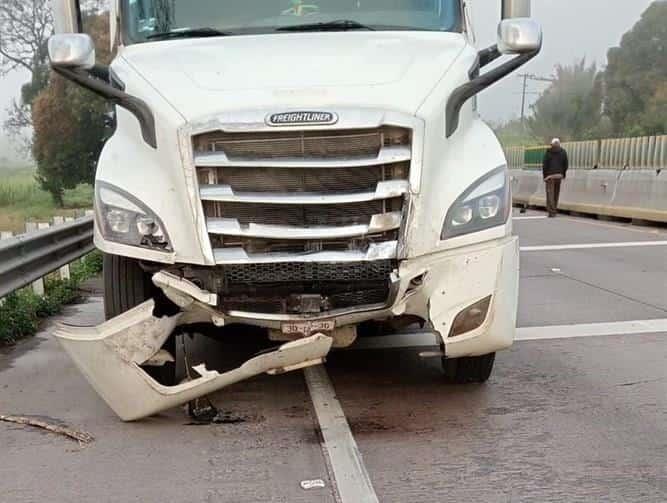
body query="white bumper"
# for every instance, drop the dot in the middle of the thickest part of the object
(110, 355)
(462, 277)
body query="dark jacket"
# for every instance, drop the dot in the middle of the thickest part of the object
(555, 162)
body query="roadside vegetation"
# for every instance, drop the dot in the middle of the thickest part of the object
(583, 102)
(22, 199)
(22, 311)
(50, 108)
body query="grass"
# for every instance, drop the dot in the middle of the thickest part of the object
(22, 200)
(22, 311)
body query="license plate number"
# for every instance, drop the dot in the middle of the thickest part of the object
(308, 327)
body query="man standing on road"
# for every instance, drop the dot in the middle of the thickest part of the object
(554, 170)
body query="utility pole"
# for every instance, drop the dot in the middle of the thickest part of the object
(526, 77)
(523, 97)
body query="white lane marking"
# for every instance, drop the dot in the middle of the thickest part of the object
(592, 330)
(626, 244)
(351, 478)
(536, 217)
(427, 339)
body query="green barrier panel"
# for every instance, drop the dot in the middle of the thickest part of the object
(533, 156)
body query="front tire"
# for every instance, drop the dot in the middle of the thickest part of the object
(126, 285)
(472, 369)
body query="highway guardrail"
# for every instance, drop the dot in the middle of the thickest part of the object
(29, 257)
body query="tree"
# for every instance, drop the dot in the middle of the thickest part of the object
(25, 26)
(571, 106)
(69, 126)
(636, 76)
(513, 133)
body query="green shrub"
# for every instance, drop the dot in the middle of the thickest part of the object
(21, 311)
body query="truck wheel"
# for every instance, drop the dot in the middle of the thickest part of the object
(474, 369)
(126, 285)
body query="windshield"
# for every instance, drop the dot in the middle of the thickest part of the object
(146, 19)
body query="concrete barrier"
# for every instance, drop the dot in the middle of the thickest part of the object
(625, 177)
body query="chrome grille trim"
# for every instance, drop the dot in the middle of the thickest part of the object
(387, 155)
(243, 171)
(303, 143)
(231, 227)
(225, 193)
(375, 251)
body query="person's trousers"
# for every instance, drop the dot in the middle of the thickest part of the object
(553, 194)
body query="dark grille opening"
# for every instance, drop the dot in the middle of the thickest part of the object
(301, 216)
(277, 288)
(258, 245)
(302, 144)
(334, 180)
(307, 271)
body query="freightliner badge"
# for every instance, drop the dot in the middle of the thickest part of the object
(302, 118)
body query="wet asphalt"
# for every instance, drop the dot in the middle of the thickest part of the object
(572, 419)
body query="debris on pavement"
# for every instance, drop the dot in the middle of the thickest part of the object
(202, 411)
(312, 484)
(81, 436)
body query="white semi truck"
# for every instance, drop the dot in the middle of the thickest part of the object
(310, 167)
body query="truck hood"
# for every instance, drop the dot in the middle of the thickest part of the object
(390, 70)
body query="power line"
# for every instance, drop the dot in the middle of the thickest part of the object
(526, 77)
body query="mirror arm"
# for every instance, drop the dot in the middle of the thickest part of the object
(488, 55)
(480, 82)
(97, 80)
(101, 72)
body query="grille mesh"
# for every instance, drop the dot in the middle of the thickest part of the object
(377, 270)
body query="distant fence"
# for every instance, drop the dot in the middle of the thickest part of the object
(646, 152)
(623, 177)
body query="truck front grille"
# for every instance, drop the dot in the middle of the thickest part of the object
(328, 181)
(301, 144)
(300, 247)
(275, 201)
(302, 216)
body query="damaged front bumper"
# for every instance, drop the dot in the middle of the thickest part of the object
(110, 357)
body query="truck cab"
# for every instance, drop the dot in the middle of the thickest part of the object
(309, 167)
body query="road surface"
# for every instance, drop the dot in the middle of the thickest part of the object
(575, 411)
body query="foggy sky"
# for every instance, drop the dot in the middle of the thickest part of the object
(572, 29)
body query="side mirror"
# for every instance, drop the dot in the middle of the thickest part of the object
(519, 36)
(72, 50)
(72, 56)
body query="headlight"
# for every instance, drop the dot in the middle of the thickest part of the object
(124, 219)
(484, 205)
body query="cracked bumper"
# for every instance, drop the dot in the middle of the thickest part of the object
(110, 357)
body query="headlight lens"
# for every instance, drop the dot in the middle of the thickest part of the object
(485, 204)
(124, 219)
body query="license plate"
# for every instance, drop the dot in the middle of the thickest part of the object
(308, 327)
